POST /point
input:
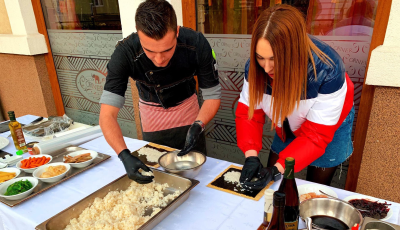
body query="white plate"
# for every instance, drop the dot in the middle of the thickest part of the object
(3, 142)
(38, 172)
(4, 186)
(93, 154)
(307, 188)
(360, 196)
(11, 170)
(30, 170)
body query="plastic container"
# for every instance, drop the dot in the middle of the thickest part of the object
(30, 146)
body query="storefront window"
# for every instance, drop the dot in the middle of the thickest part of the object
(346, 25)
(83, 35)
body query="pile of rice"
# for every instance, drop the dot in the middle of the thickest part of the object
(232, 177)
(151, 154)
(123, 209)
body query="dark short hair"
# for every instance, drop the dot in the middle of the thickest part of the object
(155, 17)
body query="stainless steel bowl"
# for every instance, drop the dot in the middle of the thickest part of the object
(188, 165)
(334, 208)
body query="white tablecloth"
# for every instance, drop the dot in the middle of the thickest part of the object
(205, 208)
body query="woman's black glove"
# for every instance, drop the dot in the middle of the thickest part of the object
(251, 168)
(266, 175)
(132, 165)
(192, 136)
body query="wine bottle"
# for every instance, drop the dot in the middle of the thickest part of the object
(16, 132)
(278, 214)
(289, 187)
(268, 208)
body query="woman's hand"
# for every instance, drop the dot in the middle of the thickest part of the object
(251, 168)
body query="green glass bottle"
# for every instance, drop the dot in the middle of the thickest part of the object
(289, 187)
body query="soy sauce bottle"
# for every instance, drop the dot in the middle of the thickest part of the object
(289, 187)
(278, 214)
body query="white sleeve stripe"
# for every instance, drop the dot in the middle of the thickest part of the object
(328, 107)
(244, 95)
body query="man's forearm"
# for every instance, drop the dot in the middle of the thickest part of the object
(208, 110)
(112, 133)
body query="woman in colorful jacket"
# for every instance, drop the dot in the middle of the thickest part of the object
(300, 83)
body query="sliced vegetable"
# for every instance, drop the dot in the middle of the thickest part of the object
(18, 187)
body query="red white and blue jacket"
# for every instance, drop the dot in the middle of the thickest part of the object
(314, 122)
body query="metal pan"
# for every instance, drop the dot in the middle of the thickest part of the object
(176, 183)
(331, 208)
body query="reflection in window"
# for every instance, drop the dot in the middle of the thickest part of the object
(324, 17)
(82, 14)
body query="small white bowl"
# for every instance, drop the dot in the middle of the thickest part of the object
(38, 172)
(11, 170)
(4, 186)
(18, 165)
(93, 154)
(307, 188)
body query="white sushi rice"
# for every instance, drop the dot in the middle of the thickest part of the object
(232, 177)
(120, 210)
(152, 155)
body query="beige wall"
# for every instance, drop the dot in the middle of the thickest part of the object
(25, 86)
(5, 27)
(379, 173)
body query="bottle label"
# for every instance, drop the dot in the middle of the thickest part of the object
(20, 137)
(291, 225)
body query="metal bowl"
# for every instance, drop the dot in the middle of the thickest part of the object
(334, 208)
(188, 165)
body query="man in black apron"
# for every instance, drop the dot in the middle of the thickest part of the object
(163, 59)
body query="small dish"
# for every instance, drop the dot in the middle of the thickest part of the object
(4, 186)
(11, 170)
(38, 172)
(30, 170)
(307, 188)
(4, 142)
(360, 196)
(93, 154)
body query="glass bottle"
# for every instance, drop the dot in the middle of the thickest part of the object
(268, 208)
(16, 132)
(289, 187)
(278, 214)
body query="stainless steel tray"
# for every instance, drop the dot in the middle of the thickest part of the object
(371, 223)
(61, 220)
(57, 157)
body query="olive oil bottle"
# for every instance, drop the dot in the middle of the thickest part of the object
(289, 187)
(16, 132)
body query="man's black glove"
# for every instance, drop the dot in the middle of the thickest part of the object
(132, 165)
(266, 175)
(192, 136)
(251, 168)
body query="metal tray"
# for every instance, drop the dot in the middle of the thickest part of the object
(57, 157)
(61, 220)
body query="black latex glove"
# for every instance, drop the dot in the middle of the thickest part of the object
(266, 175)
(251, 168)
(192, 136)
(132, 165)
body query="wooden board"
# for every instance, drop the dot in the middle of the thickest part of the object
(158, 147)
(228, 187)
